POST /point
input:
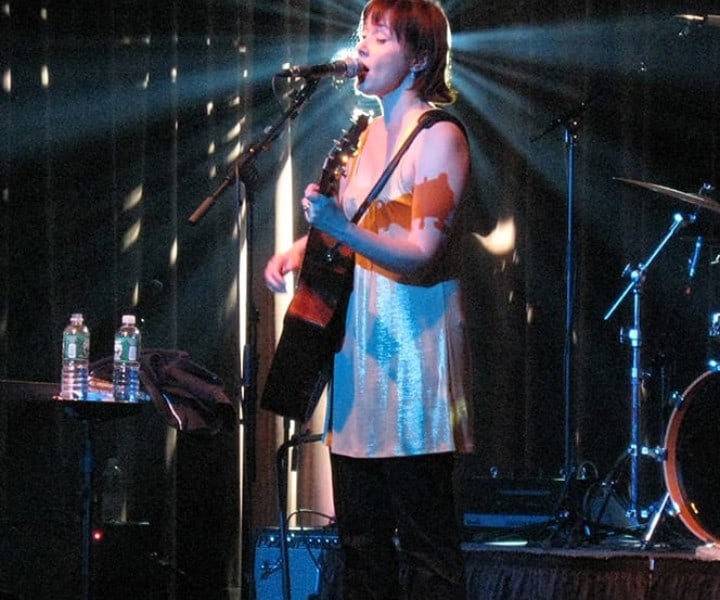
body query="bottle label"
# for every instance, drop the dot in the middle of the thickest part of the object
(76, 346)
(126, 349)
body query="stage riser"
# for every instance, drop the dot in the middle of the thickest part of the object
(585, 575)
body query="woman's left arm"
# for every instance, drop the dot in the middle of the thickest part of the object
(441, 170)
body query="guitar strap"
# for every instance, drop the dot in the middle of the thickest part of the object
(426, 120)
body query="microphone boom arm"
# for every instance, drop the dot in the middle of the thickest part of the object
(244, 167)
(679, 220)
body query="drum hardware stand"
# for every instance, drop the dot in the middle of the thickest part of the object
(633, 336)
(655, 521)
(666, 506)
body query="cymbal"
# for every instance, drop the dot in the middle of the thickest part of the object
(695, 199)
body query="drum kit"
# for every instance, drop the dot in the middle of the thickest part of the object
(690, 454)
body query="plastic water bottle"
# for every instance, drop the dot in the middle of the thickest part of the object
(113, 492)
(126, 362)
(75, 359)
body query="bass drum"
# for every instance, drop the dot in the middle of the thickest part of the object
(692, 468)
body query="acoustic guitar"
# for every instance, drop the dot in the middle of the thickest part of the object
(314, 324)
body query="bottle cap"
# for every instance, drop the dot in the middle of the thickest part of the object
(76, 317)
(128, 319)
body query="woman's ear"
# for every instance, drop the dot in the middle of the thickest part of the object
(419, 64)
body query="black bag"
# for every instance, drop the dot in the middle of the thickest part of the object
(188, 397)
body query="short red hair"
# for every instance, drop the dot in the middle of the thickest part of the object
(423, 27)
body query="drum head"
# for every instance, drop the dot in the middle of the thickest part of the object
(692, 468)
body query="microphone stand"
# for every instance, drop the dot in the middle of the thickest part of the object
(570, 121)
(282, 491)
(244, 171)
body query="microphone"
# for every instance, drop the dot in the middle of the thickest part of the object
(698, 21)
(347, 67)
(692, 264)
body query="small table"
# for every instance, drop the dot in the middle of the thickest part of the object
(88, 412)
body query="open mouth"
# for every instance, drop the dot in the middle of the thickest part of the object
(362, 73)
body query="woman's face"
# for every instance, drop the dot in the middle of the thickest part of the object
(384, 64)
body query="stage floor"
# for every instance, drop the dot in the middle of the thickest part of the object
(548, 564)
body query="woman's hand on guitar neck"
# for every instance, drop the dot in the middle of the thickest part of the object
(323, 212)
(283, 263)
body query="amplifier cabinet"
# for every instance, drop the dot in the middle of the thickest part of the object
(491, 507)
(314, 564)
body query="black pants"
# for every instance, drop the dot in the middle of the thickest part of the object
(398, 528)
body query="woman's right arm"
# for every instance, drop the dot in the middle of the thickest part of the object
(282, 263)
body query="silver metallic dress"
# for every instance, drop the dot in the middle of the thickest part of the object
(400, 382)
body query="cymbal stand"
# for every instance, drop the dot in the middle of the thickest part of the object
(634, 337)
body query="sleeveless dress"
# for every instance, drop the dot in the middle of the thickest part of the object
(400, 381)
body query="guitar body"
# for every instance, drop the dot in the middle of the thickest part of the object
(313, 330)
(314, 325)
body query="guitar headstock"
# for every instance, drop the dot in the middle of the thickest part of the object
(344, 149)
